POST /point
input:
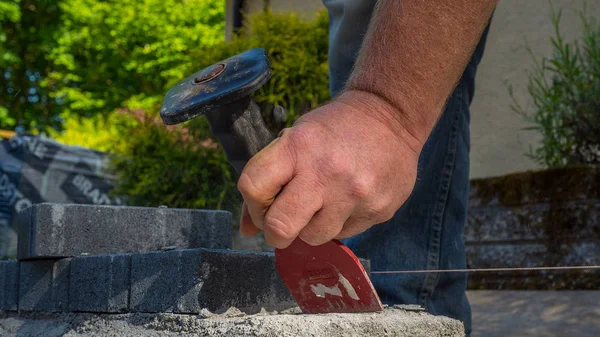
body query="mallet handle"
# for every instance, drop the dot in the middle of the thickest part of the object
(241, 130)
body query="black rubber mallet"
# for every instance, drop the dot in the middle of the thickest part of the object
(221, 93)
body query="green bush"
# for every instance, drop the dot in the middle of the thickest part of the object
(174, 168)
(109, 52)
(102, 133)
(565, 90)
(66, 58)
(183, 166)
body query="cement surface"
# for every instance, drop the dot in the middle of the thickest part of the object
(535, 313)
(390, 322)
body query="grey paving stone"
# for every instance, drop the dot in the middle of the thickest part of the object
(44, 285)
(247, 281)
(157, 279)
(186, 281)
(100, 283)
(9, 285)
(64, 230)
(23, 225)
(60, 285)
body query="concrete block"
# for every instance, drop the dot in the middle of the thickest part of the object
(9, 285)
(157, 278)
(187, 281)
(22, 224)
(44, 285)
(100, 283)
(247, 281)
(63, 230)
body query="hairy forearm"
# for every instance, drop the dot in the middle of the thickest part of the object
(413, 55)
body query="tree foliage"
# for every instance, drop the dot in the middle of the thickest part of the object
(26, 39)
(177, 168)
(71, 58)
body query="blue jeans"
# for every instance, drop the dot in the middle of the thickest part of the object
(426, 232)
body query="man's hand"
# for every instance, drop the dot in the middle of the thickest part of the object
(352, 163)
(339, 170)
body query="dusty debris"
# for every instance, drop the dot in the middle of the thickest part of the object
(233, 322)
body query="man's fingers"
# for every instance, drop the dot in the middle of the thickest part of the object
(263, 178)
(354, 226)
(326, 224)
(247, 227)
(292, 210)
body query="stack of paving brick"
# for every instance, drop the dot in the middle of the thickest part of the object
(114, 259)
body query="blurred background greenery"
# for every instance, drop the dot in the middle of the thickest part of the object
(93, 73)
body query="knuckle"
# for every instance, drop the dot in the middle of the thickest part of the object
(386, 213)
(381, 204)
(361, 187)
(385, 216)
(318, 232)
(380, 209)
(299, 139)
(247, 187)
(303, 133)
(279, 225)
(335, 166)
(311, 237)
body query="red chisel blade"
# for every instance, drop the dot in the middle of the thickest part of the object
(327, 278)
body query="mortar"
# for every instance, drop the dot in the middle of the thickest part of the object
(396, 321)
